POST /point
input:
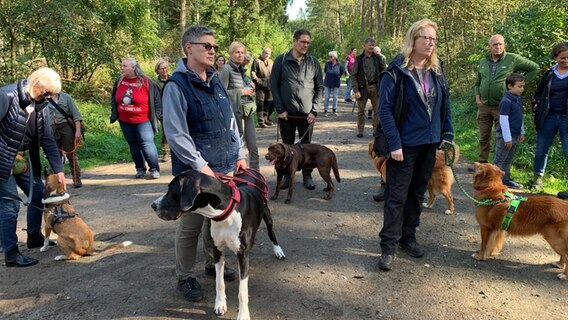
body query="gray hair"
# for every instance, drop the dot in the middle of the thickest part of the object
(194, 33)
(159, 64)
(137, 70)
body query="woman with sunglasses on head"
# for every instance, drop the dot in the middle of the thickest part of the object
(136, 104)
(414, 87)
(25, 124)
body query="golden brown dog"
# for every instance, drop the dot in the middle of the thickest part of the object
(441, 181)
(547, 216)
(287, 159)
(75, 238)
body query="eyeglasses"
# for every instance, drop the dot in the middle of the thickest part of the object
(429, 39)
(46, 94)
(207, 45)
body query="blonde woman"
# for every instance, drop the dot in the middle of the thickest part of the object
(136, 104)
(426, 122)
(23, 111)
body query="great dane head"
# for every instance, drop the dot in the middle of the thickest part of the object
(189, 191)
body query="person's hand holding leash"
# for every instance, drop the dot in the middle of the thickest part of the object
(283, 116)
(207, 170)
(311, 118)
(241, 166)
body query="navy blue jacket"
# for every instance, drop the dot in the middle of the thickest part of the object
(333, 74)
(416, 128)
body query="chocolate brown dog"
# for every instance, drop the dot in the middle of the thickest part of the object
(287, 159)
(75, 238)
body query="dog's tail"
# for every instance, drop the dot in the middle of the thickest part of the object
(335, 170)
(123, 244)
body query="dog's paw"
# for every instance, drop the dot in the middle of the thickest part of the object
(448, 212)
(60, 258)
(557, 264)
(562, 276)
(278, 252)
(477, 256)
(327, 197)
(243, 314)
(44, 248)
(425, 205)
(287, 201)
(273, 197)
(220, 308)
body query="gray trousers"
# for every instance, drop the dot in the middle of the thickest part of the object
(249, 136)
(504, 157)
(190, 226)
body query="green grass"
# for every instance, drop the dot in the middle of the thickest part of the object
(466, 130)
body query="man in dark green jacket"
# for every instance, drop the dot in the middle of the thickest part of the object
(492, 71)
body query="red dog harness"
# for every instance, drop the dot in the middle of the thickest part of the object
(233, 201)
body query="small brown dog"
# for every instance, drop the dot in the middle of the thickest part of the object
(75, 238)
(287, 159)
(442, 180)
(543, 215)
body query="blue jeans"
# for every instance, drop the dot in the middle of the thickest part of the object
(348, 89)
(9, 208)
(334, 93)
(552, 124)
(504, 157)
(140, 138)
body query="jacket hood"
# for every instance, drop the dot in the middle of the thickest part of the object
(181, 67)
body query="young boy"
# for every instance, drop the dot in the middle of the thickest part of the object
(511, 129)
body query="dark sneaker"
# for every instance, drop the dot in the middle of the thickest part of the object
(348, 100)
(385, 262)
(228, 274)
(413, 249)
(381, 195)
(359, 135)
(285, 183)
(36, 240)
(309, 183)
(140, 174)
(14, 258)
(191, 289)
(563, 194)
(512, 184)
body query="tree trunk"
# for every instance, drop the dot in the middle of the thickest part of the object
(182, 20)
(371, 31)
(338, 21)
(380, 22)
(362, 16)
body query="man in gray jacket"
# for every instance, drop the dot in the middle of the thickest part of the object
(297, 88)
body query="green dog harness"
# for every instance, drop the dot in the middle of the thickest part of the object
(513, 206)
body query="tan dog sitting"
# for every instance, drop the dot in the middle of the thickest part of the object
(75, 238)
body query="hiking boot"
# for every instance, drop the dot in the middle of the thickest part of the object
(512, 184)
(309, 183)
(140, 174)
(78, 183)
(155, 174)
(359, 135)
(285, 183)
(385, 262)
(413, 249)
(165, 157)
(228, 274)
(191, 289)
(563, 194)
(36, 240)
(381, 195)
(14, 258)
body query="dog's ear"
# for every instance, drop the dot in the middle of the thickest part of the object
(189, 189)
(287, 151)
(46, 172)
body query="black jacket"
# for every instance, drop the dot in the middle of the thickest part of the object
(13, 125)
(359, 80)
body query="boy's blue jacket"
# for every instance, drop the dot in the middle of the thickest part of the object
(416, 127)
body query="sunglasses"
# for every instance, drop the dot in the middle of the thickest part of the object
(46, 94)
(207, 45)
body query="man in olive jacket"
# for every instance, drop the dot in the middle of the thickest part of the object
(492, 71)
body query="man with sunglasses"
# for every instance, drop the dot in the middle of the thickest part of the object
(297, 89)
(25, 125)
(200, 126)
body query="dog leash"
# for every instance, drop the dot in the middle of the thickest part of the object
(253, 173)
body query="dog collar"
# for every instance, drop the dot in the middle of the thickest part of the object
(55, 198)
(233, 201)
(513, 206)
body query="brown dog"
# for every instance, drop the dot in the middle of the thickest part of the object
(543, 215)
(75, 238)
(441, 181)
(287, 159)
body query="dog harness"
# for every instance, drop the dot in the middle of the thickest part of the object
(233, 201)
(513, 206)
(60, 216)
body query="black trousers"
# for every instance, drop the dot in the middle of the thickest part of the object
(407, 181)
(288, 132)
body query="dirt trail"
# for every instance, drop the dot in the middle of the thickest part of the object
(332, 249)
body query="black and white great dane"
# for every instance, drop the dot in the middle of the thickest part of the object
(235, 208)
